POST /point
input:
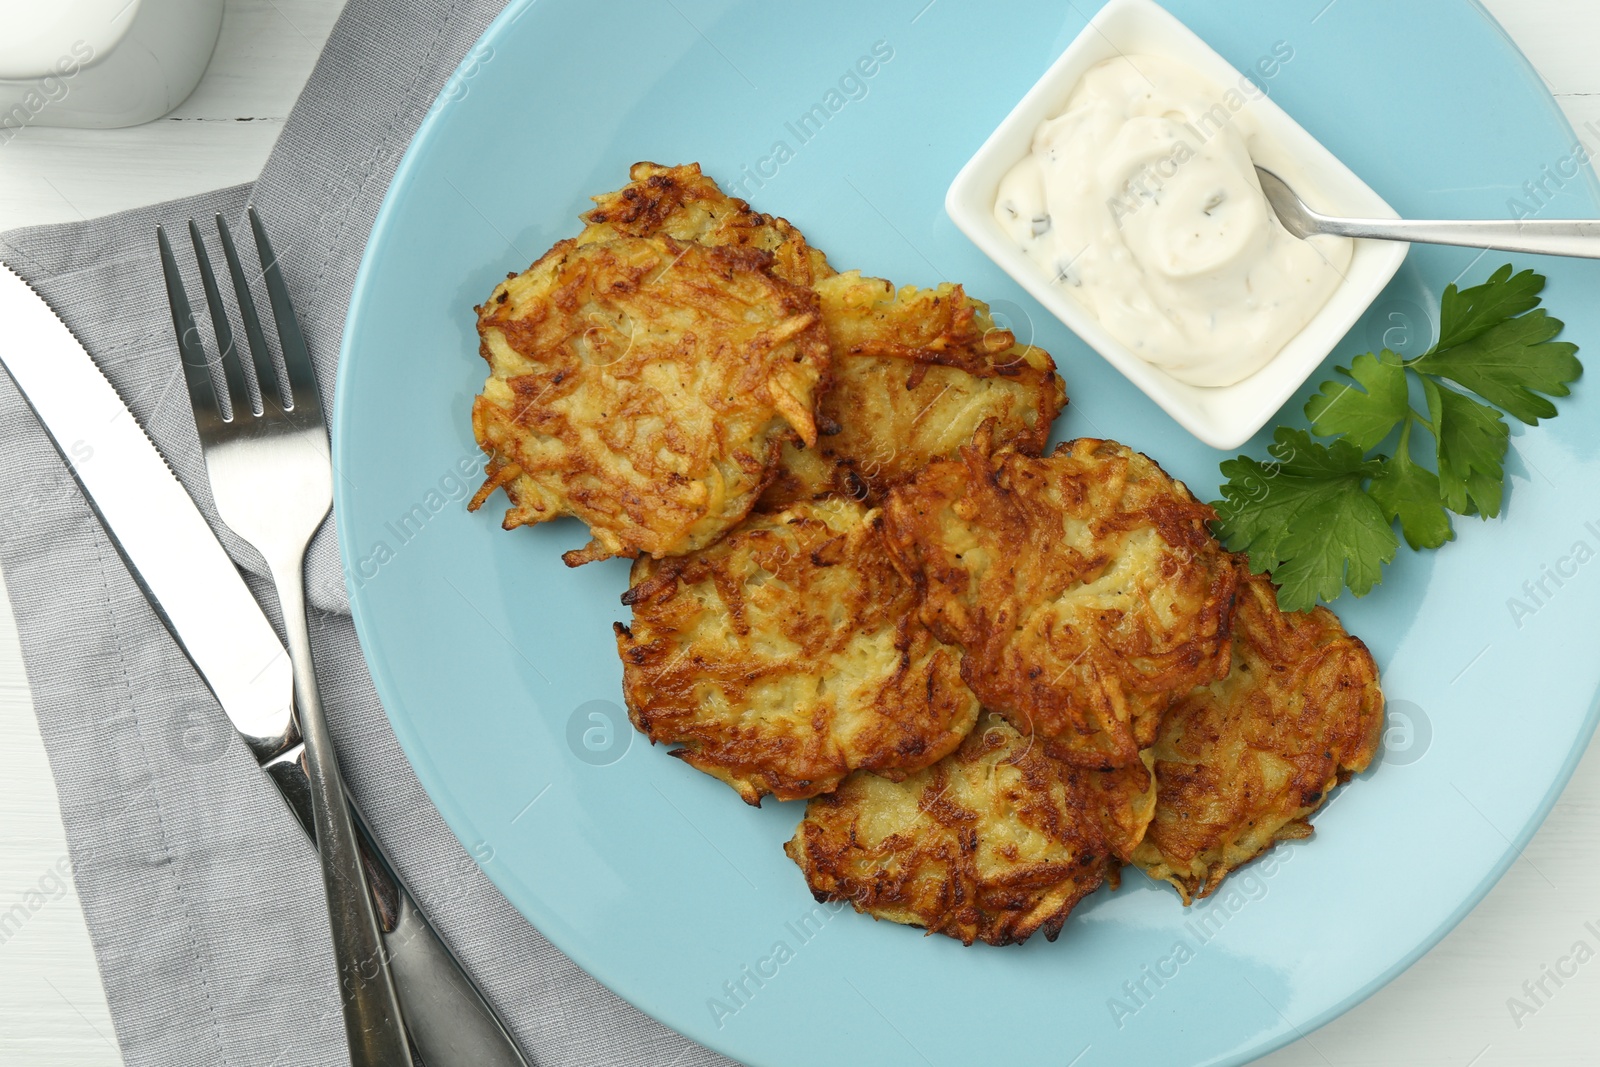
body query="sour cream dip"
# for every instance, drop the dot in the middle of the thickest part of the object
(1141, 200)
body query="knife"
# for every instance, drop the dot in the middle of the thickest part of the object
(198, 593)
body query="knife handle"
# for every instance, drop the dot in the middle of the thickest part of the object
(449, 1022)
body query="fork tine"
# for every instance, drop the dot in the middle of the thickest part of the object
(232, 368)
(191, 349)
(260, 354)
(302, 390)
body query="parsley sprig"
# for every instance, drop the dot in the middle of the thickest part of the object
(1321, 517)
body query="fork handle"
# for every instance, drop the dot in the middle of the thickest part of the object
(1579, 238)
(372, 1020)
(446, 1016)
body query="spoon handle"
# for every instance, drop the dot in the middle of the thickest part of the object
(1553, 237)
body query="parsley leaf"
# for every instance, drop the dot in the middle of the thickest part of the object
(1410, 494)
(1362, 418)
(1466, 313)
(1307, 518)
(1509, 364)
(1472, 441)
(1322, 518)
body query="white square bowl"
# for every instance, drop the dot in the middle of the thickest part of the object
(1223, 417)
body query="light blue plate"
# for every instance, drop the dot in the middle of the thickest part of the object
(497, 666)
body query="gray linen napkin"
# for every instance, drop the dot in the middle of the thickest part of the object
(200, 893)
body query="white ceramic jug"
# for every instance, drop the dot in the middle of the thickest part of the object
(100, 63)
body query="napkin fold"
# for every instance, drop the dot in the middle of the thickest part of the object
(201, 894)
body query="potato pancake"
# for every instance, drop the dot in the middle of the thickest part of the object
(992, 843)
(646, 386)
(684, 204)
(1243, 762)
(789, 654)
(915, 373)
(1083, 588)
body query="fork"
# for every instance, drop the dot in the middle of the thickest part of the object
(272, 481)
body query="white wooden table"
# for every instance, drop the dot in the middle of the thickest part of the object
(1450, 1010)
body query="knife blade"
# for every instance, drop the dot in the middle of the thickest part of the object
(199, 594)
(177, 560)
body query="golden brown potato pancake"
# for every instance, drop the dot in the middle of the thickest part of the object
(646, 386)
(684, 204)
(1083, 587)
(789, 654)
(1243, 762)
(992, 843)
(915, 373)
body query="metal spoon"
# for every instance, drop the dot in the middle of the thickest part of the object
(1554, 237)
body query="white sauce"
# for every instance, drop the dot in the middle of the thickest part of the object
(1141, 199)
